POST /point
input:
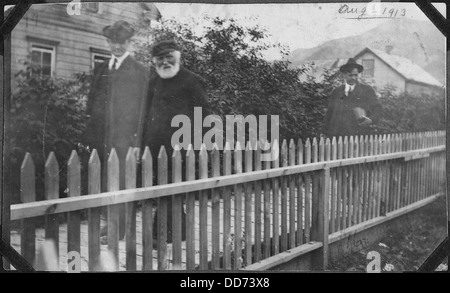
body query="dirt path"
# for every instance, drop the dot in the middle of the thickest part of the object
(404, 249)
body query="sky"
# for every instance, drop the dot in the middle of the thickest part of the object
(301, 25)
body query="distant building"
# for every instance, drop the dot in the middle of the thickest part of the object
(64, 44)
(382, 68)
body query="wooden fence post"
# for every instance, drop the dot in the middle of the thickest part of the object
(113, 210)
(203, 202)
(147, 212)
(94, 177)
(248, 205)
(28, 194)
(237, 209)
(215, 166)
(227, 209)
(162, 210)
(292, 205)
(177, 211)
(190, 210)
(130, 211)
(74, 218)
(258, 207)
(52, 192)
(320, 220)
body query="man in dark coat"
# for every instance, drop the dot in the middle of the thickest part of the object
(173, 91)
(353, 108)
(116, 103)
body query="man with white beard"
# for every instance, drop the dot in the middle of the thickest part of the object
(173, 91)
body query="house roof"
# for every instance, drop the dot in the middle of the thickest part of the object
(405, 67)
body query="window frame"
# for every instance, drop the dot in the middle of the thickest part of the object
(92, 9)
(45, 48)
(98, 52)
(365, 73)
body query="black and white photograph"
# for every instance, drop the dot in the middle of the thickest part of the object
(250, 137)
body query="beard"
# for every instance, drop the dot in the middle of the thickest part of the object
(169, 72)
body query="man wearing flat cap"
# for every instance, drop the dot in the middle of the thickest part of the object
(116, 102)
(353, 107)
(173, 91)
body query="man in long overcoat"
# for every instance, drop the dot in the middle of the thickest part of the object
(173, 91)
(116, 103)
(353, 108)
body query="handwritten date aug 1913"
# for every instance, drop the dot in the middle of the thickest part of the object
(372, 10)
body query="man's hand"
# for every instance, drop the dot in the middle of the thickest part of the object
(366, 121)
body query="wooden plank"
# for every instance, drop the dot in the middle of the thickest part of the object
(190, 211)
(351, 147)
(215, 237)
(356, 195)
(203, 211)
(408, 171)
(320, 219)
(27, 210)
(284, 206)
(237, 256)
(258, 207)
(333, 192)
(300, 197)
(284, 257)
(248, 206)
(73, 218)
(162, 211)
(52, 192)
(28, 194)
(267, 213)
(177, 211)
(113, 210)
(276, 203)
(363, 149)
(147, 212)
(94, 183)
(345, 193)
(227, 240)
(130, 211)
(307, 220)
(339, 177)
(369, 180)
(292, 203)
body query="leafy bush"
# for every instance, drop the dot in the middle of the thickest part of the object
(47, 114)
(230, 57)
(410, 113)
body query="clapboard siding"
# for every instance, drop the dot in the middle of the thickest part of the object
(76, 34)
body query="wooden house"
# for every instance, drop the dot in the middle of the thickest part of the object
(64, 42)
(382, 68)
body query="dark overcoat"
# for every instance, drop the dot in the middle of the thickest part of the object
(115, 108)
(340, 119)
(168, 98)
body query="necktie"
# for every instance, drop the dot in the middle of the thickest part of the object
(114, 64)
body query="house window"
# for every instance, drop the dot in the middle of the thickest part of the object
(92, 7)
(98, 59)
(43, 60)
(368, 65)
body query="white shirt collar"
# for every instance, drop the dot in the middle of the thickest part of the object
(119, 60)
(349, 88)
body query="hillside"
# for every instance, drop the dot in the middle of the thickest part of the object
(419, 41)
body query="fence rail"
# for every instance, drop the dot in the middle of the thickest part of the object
(239, 210)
